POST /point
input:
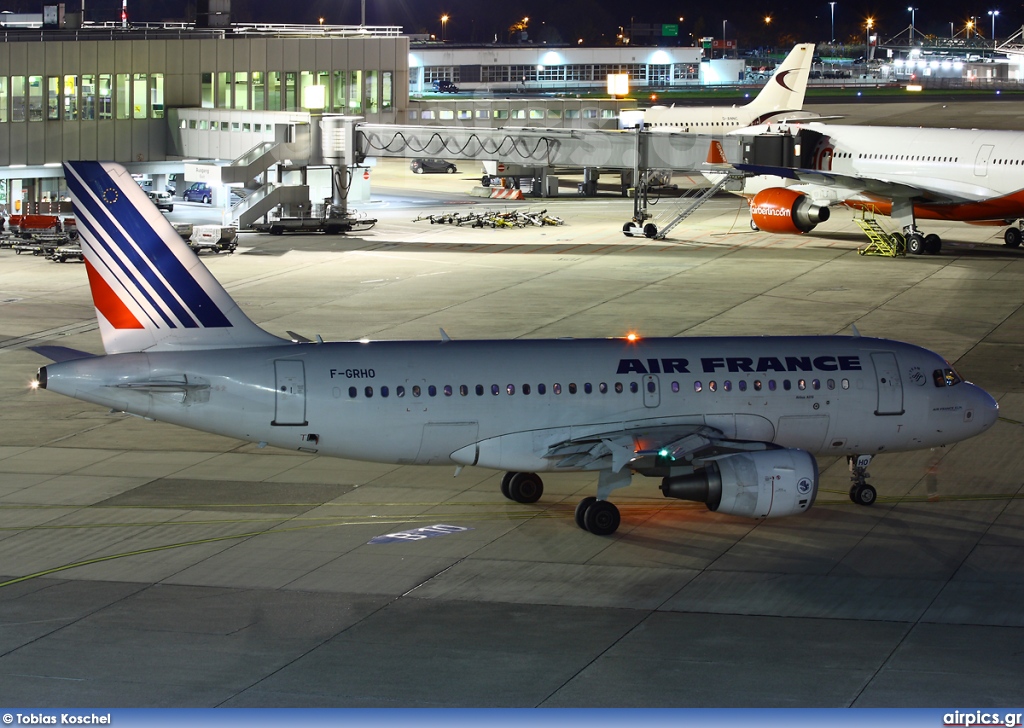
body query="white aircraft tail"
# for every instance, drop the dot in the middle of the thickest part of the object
(150, 290)
(786, 88)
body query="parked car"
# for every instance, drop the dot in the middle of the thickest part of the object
(162, 200)
(419, 166)
(197, 192)
(443, 86)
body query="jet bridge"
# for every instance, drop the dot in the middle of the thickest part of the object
(344, 143)
(545, 150)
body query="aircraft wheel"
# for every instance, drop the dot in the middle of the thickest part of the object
(581, 510)
(1012, 237)
(932, 244)
(863, 495)
(525, 488)
(650, 230)
(505, 480)
(754, 227)
(601, 518)
(915, 244)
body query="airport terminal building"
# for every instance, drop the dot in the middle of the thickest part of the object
(105, 93)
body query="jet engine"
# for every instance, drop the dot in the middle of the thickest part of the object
(782, 210)
(762, 484)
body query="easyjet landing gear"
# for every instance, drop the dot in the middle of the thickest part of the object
(522, 487)
(600, 517)
(920, 244)
(861, 492)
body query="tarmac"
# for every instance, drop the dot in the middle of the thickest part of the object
(143, 564)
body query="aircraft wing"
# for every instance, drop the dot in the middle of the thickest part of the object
(645, 449)
(920, 191)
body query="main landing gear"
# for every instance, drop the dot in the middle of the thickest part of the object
(600, 517)
(861, 492)
(920, 244)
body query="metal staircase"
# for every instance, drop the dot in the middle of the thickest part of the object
(262, 157)
(265, 199)
(880, 242)
(696, 200)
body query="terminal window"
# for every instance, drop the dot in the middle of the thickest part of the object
(17, 98)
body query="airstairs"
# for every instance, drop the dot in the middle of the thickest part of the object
(248, 168)
(265, 199)
(881, 242)
(262, 157)
(688, 204)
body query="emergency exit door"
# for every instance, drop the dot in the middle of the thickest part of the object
(290, 397)
(890, 386)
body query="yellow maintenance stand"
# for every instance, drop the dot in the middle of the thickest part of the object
(881, 242)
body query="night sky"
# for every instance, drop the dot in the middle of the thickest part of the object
(596, 21)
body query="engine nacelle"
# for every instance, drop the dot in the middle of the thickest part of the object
(782, 210)
(762, 484)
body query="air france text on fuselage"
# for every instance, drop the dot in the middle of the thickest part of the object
(737, 364)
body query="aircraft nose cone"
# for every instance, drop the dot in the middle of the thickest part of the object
(986, 410)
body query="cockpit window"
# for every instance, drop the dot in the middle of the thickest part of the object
(946, 377)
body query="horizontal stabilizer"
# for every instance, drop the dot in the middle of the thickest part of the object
(60, 353)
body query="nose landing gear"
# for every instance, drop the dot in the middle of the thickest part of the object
(861, 492)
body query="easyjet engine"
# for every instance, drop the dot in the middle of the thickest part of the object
(762, 484)
(782, 210)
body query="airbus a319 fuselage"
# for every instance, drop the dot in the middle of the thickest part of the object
(505, 404)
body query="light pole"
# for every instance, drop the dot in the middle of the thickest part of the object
(968, 27)
(912, 11)
(993, 14)
(832, 9)
(444, 22)
(868, 25)
(951, 36)
(723, 40)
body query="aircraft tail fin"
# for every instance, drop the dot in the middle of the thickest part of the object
(150, 290)
(786, 88)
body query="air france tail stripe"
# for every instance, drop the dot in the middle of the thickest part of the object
(108, 304)
(121, 244)
(159, 263)
(90, 239)
(91, 232)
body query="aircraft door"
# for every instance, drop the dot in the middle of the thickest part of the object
(652, 394)
(290, 393)
(981, 161)
(890, 387)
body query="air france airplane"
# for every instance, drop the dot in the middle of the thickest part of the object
(733, 422)
(781, 98)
